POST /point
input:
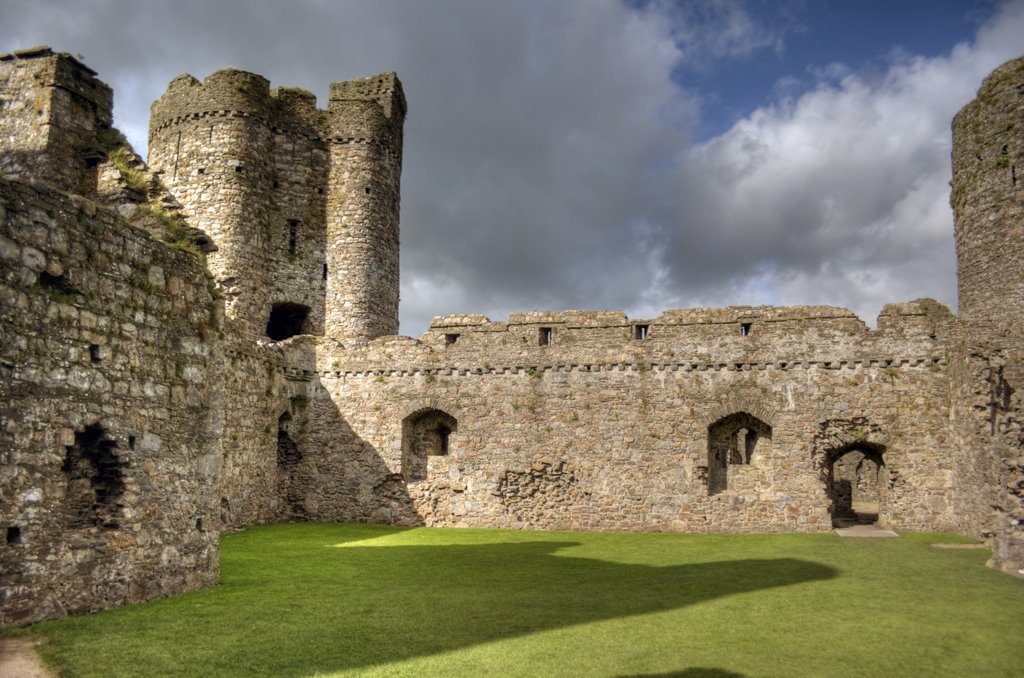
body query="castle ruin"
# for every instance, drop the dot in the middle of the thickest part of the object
(208, 341)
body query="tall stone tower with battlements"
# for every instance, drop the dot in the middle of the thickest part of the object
(302, 204)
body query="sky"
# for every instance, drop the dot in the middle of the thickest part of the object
(601, 154)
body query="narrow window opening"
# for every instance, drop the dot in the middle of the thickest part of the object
(95, 354)
(366, 190)
(293, 236)
(289, 458)
(14, 535)
(546, 336)
(199, 524)
(131, 442)
(238, 169)
(276, 184)
(319, 191)
(325, 271)
(744, 329)
(287, 320)
(640, 332)
(442, 433)
(450, 339)
(201, 170)
(288, 453)
(92, 163)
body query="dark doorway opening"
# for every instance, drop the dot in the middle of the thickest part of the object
(857, 485)
(287, 320)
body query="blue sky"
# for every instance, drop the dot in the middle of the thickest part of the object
(808, 36)
(597, 154)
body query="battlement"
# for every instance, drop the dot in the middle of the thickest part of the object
(891, 315)
(752, 335)
(384, 88)
(233, 93)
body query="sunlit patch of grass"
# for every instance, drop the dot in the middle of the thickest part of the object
(302, 600)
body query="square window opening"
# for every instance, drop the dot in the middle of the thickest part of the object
(546, 336)
(640, 332)
(450, 339)
(744, 329)
(14, 535)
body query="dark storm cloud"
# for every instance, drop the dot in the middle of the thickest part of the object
(547, 158)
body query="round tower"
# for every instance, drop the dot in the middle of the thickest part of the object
(988, 200)
(365, 117)
(212, 143)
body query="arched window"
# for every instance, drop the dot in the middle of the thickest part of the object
(424, 434)
(732, 441)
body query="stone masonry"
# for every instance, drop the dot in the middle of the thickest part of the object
(207, 341)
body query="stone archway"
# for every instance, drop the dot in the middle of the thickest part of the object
(850, 455)
(857, 485)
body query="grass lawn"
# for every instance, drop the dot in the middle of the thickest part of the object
(303, 600)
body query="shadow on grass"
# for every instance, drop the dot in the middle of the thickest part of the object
(300, 607)
(695, 672)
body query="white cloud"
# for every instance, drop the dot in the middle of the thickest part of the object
(839, 196)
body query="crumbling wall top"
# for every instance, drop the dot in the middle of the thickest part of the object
(63, 70)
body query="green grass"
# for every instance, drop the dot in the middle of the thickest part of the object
(303, 600)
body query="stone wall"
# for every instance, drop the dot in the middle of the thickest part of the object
(109, 443)
(265, 386)
(988, 430)
(601, 430)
